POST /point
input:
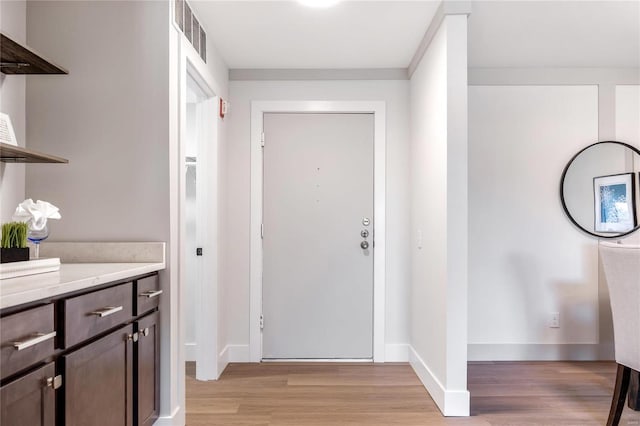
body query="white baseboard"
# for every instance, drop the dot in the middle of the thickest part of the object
(223, 360)
(396, 352)
(190, 351)
(233, 353)
(450, 402)
(175, 419)
(540, 352)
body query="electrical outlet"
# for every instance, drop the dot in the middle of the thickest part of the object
(554, 320)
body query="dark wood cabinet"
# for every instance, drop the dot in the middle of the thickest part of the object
(90, 314)
(99, 382)
(147, 360)
(27, 338)
(103, 343)
(30, 400)
(148, 294)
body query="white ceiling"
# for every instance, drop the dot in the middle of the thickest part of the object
(386, 34)
(286, 34)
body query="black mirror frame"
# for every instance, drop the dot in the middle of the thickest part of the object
(564, 205)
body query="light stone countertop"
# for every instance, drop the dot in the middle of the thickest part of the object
(71, 277)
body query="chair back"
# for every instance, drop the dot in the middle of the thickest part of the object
(621, 263)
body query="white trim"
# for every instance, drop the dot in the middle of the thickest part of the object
(190, 352)
(378, 108)
(452, 403)
(396, 352)
(232, 353)
(539, 352)
(223, 360)
(172, 419)
(172, 336)
(552, 76)
(457, 403)
(428, 379)
(179, 242)
(447, 7)
(323, 360)
(235, 353)
(207, 217)
(207, 309)
(318, 74)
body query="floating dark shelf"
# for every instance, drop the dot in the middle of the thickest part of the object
(18, 154)
(18, 59)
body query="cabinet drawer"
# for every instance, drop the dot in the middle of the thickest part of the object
(149, 294)
(27, 338)
(93, 313)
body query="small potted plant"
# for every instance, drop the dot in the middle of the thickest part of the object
(13, 247)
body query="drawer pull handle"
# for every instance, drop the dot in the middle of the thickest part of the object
(151, 293)
(35, 339)
(54, 382)
(105, 312)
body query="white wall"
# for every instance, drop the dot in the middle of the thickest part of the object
(237, 158)
(628, 130)
(517, 112)
(13, 23)
(439, 217)
(115, 117)
(212, 78)
(628, 114)
(109, 117)
(525, 259)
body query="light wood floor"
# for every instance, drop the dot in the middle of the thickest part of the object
(531, 393)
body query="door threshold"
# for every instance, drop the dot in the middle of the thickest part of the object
(317, 359)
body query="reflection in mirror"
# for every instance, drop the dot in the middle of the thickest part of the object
(600, 189)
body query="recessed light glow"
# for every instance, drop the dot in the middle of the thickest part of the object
(319, 3)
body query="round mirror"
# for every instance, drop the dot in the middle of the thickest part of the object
(599, 189)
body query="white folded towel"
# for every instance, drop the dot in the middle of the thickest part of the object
(36, 214)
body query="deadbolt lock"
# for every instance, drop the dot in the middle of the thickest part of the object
(364, 233)
(366, 221)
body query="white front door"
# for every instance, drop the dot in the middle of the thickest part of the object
(318, 209)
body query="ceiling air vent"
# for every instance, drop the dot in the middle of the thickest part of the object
(189, 25)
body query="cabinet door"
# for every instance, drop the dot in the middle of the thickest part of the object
(99, 382)
(29, 400)
(148, 369)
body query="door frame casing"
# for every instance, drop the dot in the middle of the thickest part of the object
(206, 318)
(378, 109)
